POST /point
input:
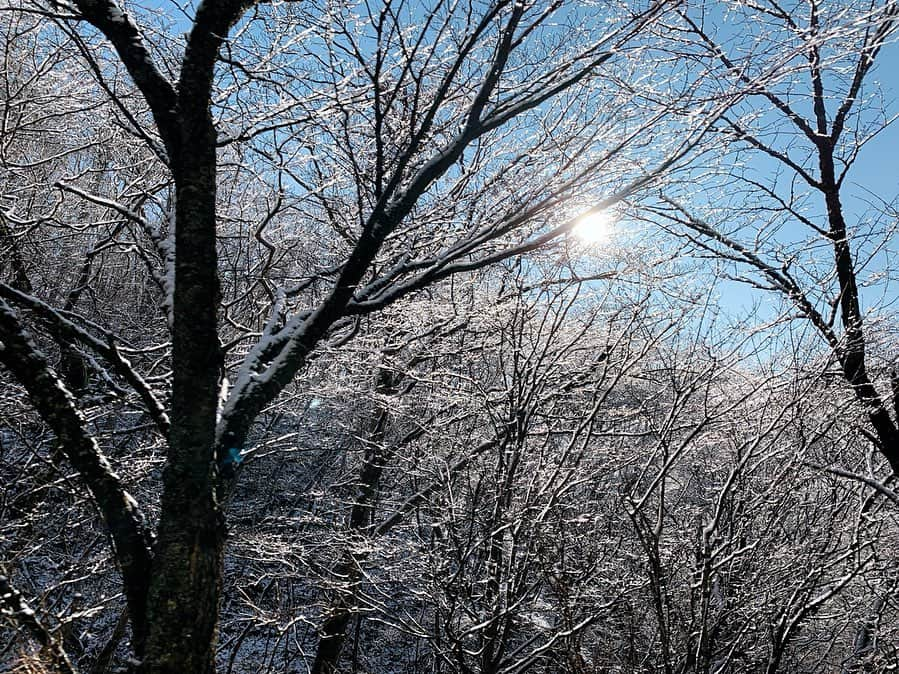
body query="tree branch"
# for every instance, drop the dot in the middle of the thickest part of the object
(130, 538)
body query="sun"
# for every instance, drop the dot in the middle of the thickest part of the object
(595, 227)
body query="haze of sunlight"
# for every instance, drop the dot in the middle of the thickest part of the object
(595, 227)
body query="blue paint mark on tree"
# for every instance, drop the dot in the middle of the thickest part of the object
(234, 457)
(230, 461)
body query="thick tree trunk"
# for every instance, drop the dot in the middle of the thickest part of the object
(187, 572)
(185, 581)
(333, 631)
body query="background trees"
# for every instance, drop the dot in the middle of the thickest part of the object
(404, 98)
(305, 271)
(796, 229)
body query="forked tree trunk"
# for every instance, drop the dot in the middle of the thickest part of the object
(186, 583)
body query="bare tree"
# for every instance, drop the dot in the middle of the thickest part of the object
(806, 112)
(779, 213)
(399, 149)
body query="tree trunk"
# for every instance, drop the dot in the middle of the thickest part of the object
(186, 583)
(334, 630)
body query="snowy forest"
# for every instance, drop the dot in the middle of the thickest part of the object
(449, 336)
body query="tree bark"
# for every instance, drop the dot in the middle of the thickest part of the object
(187, 571)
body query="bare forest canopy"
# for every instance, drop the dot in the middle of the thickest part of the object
(412, 336)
